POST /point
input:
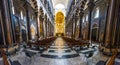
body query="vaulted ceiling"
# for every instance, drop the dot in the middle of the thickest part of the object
(63, 2)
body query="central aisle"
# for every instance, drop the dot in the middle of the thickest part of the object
(59, 53)
(59, 49)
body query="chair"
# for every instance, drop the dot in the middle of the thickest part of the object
(89, 55)
(100, 63)
(28, 54)
(24, 46)
(13, 62)
(17, 50)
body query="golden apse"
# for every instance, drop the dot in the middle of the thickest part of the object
(59, 24)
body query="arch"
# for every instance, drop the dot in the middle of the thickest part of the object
(94, 32)
(95, 25)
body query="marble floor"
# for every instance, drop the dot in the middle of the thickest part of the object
(49, 61)
(60, 49)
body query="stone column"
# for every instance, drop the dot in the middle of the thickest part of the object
(99, 29)
(75, 24)
(37, 23)
(51, 30)
(41, 26)
(111, 29)
(2, 42)
(90, 8)
(46, 23)
(76, 20)
(10, 6)
(72, 21)
(44, 33)
(107, 10)
(117, 33)
(48, 28)
(27, 7)
(80, 24)
(109, 22)
(6, 15)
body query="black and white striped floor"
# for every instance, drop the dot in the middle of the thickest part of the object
(59, 49)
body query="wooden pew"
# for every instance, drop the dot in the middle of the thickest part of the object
(73, 42)
(46, 42)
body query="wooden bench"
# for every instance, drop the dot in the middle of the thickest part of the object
(73, 42)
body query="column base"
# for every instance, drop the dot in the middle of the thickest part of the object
(108, 51)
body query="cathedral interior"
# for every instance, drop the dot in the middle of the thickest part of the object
(59, 32)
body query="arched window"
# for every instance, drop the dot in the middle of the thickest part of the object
(21, 14)
(87, 17)
(96, 13)
(83, 20)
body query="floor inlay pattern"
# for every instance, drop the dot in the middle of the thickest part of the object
(59, 49)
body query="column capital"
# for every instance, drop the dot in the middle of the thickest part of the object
(26, 4)
(81, 14)
(76, 15)
(107, 2)
(36, 13)
(91, 5)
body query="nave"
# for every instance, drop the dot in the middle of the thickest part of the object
(59, 32)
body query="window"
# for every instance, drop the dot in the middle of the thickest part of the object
(87, 17)
(21, 14)
(77, 23)
(96, 13)
(13, 9)
(83, 20)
